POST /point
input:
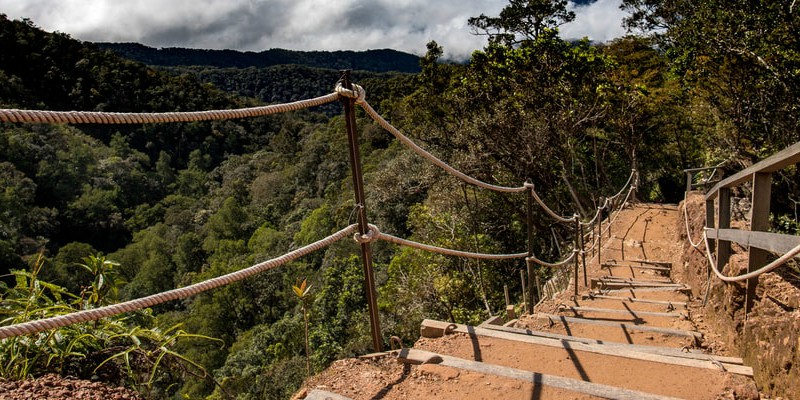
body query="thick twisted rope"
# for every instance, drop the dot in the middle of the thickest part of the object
(555, 264)
(763, 270)
(375, 234)
(96, 117)
(630, 179)
(600, 209)
(422, 152)
(547, 209)
(613, 219)
(686, 223)
(175, 294)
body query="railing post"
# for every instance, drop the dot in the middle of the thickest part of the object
(363, 227)
(577, 254)
(528, 263)
(600, 233)
(723, 222)
(583, 255)
(757, 258)
(688, 181)
(524, 292)
(710, 223)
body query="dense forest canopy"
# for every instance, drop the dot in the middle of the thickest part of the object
(90, 215)
(384, 60)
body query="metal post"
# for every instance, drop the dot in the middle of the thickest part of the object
(724, 222)
(599, 235)
(583, 256)
(762, 191)
(524, 293)
(363, 227)
(577, 254)
(528, 263)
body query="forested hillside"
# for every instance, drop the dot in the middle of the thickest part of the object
(112, 212)
(385, 60)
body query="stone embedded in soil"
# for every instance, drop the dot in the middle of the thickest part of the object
(59, 388)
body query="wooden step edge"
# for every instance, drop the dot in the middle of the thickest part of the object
(445, 328)
(611, 278)
(665, 264)
(647, 267)
(600, 283)
(667, 351)
(644, 328)
(414, 356)
(318, 394)
(635, 300)
(686, 290)
(634, 313)
(494, 320)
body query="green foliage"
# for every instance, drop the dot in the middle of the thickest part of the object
(105, 283)
(302, 290)
(523, 20)
(109, 349)
(339, 316)
(179, 203)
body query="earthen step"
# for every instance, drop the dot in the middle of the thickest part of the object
(628, 299)
(435, 329)
(317, 394)
(641, 291)
(612, 284)
(618, 367)
(417, 357)
(626, 328)
(617, 304)
(636, 314)
(668, 351)
(646, 279)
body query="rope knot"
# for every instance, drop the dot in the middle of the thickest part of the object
(357, 92)
(528, 185)
(372, 234)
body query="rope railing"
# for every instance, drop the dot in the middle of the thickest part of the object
(622, 190)
(613, 219)
(97, 117)
(175, 294)
(686, 223)
(548, 210)
(763, 270)
(600, 209)
(555, 264)
(375, 234)
(358, 93)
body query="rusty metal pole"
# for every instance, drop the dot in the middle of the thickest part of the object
(529, 263)
(599, 235)
(577, 254)
(363, 227)
(583, 256)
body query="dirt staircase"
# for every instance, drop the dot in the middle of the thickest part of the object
(629, 334)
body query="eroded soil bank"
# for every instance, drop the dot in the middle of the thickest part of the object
(768, 338)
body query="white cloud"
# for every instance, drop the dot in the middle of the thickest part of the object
(601, 21)
(256, 25)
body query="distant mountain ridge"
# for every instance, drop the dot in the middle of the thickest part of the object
(384, 60)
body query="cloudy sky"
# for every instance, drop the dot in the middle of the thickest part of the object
(257, 25)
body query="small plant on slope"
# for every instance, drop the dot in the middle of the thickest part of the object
(301, 290)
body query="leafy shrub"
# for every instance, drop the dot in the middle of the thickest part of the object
(111, 349)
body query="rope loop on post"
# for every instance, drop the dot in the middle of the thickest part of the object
(372, 235)
(529, 185)
(357, 92)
